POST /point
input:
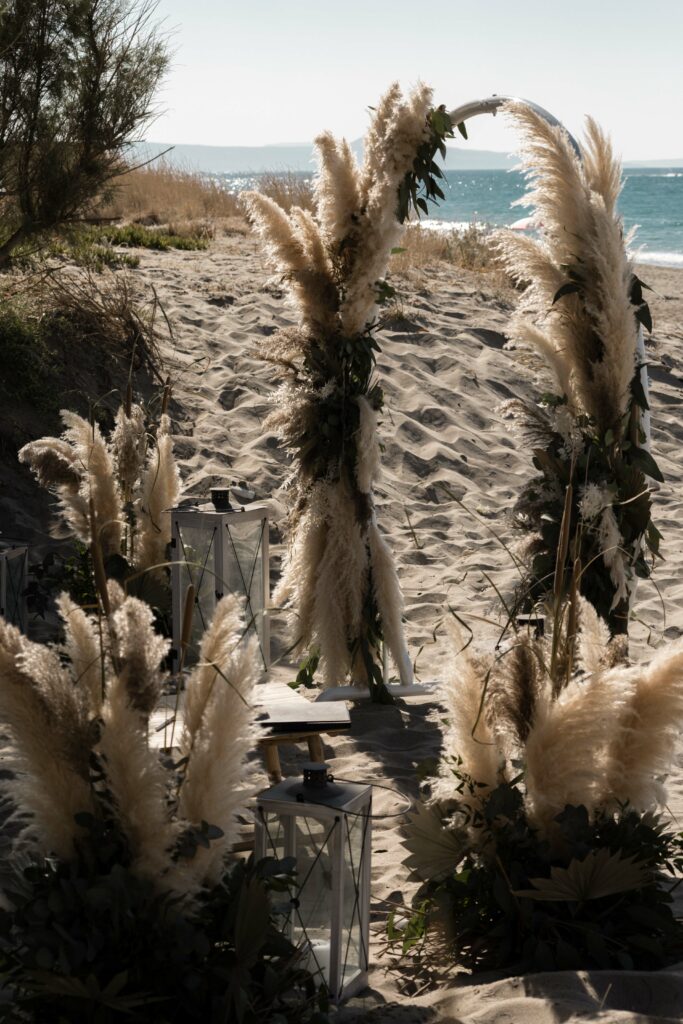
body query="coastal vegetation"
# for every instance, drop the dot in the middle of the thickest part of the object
(77, 84)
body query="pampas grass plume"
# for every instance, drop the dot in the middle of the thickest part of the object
(568, 749)
(48, 734)
(218, 736)
(476, 748)
(160, 492)
(643, 748)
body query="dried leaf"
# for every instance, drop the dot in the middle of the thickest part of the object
(599, 874)
(434, 851)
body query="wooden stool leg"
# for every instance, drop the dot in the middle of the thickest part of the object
(315, 749)
(272, 758)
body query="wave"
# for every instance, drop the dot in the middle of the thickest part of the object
(659, 259)
(444, 226)
(653, 174)
(485, 226)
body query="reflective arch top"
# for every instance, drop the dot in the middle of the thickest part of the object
(492, 104)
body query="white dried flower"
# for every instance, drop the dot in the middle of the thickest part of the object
(612, 544)
(129, 446)
(564, 423)
(594, 498)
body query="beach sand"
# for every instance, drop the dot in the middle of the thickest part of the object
(445, 373)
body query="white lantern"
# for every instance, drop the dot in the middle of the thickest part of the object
(326, 827)
(13, 580)
(220, 550)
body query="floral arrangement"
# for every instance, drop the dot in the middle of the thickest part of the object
(581, 310)
(339, 573)
(119, 889)
(128, 480)
(542, 845)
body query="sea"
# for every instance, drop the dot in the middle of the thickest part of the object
(651, 201)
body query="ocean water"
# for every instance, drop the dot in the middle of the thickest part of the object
(652, 200)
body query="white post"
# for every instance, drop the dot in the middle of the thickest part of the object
(645, 415)
(265, 590)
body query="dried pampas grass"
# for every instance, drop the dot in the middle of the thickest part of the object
(567, 751)
(76, 720)
(338, 573)
(594, 732)
(131, 481)
(469, 741)
(580, 310)
(218, 736)
(591, 331)
(642, 750)
(159, 492)
(49, 741)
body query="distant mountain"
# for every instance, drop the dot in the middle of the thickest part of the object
(296, 157)
(299, 157)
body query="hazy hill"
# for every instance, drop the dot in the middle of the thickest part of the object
(297, 157)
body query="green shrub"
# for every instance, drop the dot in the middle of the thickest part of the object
(598, 896)
(89, 942)
(77, 83)
(138, 236)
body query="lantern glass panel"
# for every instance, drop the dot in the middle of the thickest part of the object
(197, 566)
(353, 952)
(14, 612)
(312, 911)
(274, 827)
(243, 568)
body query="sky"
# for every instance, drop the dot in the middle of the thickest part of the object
(259, 72)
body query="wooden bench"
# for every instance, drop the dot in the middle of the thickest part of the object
(284, 715)
(287, 717)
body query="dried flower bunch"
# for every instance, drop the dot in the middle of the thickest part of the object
(542, 840)
(587, 727)
(119, 889)
(339, 574)
(581, 310)
(131, 478)
(77, 717)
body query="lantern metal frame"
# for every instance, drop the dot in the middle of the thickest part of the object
(334, 815)
(9, 552)
(211, 521)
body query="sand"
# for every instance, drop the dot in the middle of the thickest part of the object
(445, 372)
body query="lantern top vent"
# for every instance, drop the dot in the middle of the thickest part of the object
(316, 789)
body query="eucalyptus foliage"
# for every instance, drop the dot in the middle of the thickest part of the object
(89, 942)
(599, 894)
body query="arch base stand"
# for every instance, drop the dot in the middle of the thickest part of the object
(362, 692)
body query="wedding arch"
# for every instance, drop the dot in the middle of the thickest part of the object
(339, 575)
(580, 277)
(491, 105)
